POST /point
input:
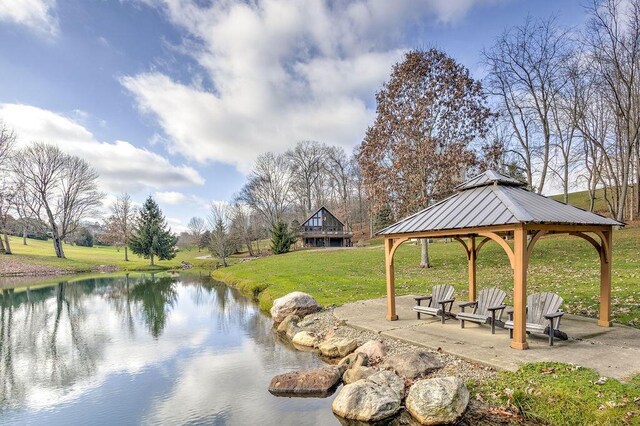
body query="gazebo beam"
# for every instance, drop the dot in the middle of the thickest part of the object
(472, 269)
(605, 279)
(519, 340)
(391, 279)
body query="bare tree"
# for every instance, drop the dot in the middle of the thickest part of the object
(63, 187)
(306, 162)
(222, 244)
(7, 183)
(196, 227)
(242, 225)
(119, 225)
(525, 73)
(338, 166)
(613, 34)
(268, 189)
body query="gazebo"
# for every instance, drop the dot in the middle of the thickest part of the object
(490, 207)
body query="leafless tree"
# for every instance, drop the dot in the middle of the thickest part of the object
(63, 188)
(525, 72)
(242, 225)
(196, 227)
(613, 34)
(306, 161)
(119, 225)
(338, 166)
(7, 183)
(222, 242)
(268, 189)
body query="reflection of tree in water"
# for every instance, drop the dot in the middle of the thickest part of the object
(156, 298)
(45, 340)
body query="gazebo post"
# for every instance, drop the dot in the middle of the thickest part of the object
(605, 279)
(519, 340)
(472, 269)
(391, 285)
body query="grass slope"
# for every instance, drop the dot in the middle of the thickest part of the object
(566, 265)
(85, 259)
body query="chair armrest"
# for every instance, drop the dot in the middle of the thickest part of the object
(497, 308)
(444, 302)
(554, 315)
(467, 304)
(421, 298)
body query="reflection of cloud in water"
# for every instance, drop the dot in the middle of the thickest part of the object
(61, 348)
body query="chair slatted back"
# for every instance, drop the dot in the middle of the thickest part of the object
(541, 304)
(440, 292)
(488, 298)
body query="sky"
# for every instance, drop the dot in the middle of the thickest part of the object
(176, 98)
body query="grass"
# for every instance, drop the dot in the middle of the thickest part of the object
(563, 394)
(86, 259)
(566, 265)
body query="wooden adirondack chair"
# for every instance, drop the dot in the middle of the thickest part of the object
(543, 309)
(441, 296)
(488, 308)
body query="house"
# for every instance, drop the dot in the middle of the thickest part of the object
(323, 229)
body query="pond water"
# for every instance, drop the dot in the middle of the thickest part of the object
(144, 350)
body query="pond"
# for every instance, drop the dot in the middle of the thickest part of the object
(144, 349)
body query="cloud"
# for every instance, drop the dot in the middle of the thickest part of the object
(279, 71)
(37, 15)
(121, 165)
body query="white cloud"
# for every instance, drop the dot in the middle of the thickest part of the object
(281, 71)
(121, 165)
(171, 197)
(37, 15)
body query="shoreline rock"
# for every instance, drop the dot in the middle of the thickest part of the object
(437, 401)
(297, 303)
(372, 399)
(317, 382)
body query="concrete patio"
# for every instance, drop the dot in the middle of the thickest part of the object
(613, 352)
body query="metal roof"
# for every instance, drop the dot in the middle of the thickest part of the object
(491, 199)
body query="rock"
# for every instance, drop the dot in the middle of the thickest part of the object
(357, 373)
(289, 326)
(316, 382)
(336, 347)
(437, 401)
(297, 303)
(374, 398)
(305, 338)
(412, 365)
(186, 265)
(374, 349)
(355, 359)
(308, 321)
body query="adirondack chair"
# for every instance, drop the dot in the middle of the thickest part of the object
(488, 308)
(441, 296)
(543, 309)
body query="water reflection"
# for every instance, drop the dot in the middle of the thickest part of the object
(144, 348)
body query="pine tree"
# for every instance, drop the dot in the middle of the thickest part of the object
(281, 238)
(151, 237)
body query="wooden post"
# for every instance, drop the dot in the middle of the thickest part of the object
(519, 340)
(605, 280)
(391, 285)
(472, 269)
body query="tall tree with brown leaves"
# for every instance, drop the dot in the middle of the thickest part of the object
(419, 146)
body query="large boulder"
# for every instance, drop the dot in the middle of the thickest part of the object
(305, 338)
(437, 401)
(316, 382)
(412, 365)
(374, 349)
(337, 347)
(289, 326)
(354, 374)
(372, 399)
(297, 303)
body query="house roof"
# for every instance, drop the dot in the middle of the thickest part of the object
(491, 199)
(327, 210)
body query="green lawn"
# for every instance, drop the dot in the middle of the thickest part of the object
(566, 265)
(85, 259)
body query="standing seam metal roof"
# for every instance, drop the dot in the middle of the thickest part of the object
(491, 199)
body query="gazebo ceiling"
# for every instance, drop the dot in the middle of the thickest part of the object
(491, 199)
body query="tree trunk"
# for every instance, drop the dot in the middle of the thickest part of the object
(126, 254)
(7, 246)
(424, 261)
(24, 235)
(57, 245)
(152, 264)
(1, 246)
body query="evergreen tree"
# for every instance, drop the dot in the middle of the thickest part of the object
(151, 237)
(281, 238)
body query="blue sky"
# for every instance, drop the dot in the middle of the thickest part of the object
(176, 98)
